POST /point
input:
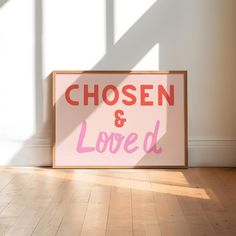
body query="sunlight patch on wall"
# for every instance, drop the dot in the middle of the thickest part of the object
(17, 120)
(74, 36)
(127, 12)
(150, 61)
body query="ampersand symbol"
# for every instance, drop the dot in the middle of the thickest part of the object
(119, 121)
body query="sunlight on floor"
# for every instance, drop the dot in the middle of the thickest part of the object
(134, 179)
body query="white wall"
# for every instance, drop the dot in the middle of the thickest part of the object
(39, 36)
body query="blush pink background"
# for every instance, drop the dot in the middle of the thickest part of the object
(140, 119)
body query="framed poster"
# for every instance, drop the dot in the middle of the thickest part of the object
(120, 119)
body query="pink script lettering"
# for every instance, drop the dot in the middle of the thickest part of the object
(113, 142)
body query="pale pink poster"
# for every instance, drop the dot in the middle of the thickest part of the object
(119, 119)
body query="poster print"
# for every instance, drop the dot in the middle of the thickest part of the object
(119, 119)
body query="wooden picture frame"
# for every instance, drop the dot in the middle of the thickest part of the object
(183, 75)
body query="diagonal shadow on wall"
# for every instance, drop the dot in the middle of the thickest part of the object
(3, 2)
(127, 52)
(145, 33)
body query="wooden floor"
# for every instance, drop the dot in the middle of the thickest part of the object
(42, 201)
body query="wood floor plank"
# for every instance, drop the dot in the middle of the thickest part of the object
(73, 219)
(214, 207)
(97, 211)
(227, 178)
(170, 215)
(120, 213)
(43, 201)
(11, 200)
(145, 218)
(52, 217)
(34, 206)
(223, 220)
(195, 217)
(5, 179)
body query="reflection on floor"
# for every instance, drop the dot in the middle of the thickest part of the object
(42, 201)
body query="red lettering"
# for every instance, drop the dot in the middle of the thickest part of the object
(88, 94)
(169, 98)
(145, 95)
(129, 94)
(132, 97)
(67, 94)
(116, 95)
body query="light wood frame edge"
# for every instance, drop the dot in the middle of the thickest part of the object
(184, 72)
